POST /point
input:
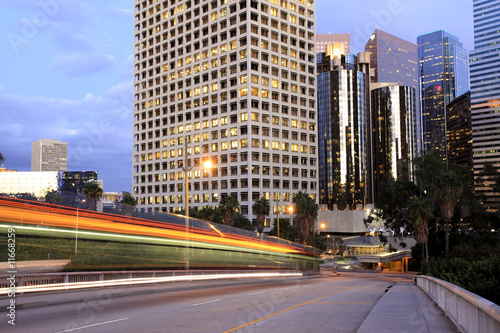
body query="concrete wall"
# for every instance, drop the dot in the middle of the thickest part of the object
(345, 221)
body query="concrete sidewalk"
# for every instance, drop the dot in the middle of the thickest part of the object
(406, 308)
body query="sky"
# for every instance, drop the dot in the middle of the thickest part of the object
(68, 68)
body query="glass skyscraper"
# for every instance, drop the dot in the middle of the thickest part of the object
(343, 137)
(393, 109)
(485, 90)
(443, 77)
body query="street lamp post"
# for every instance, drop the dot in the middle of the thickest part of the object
(76, 230)
(207, 165)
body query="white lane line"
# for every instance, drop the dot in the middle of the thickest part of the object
(106, 322)
(262, 292)
(212, 301)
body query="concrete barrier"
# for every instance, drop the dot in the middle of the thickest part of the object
(468, 311)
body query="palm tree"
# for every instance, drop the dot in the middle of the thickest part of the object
(306, 213)
(446, 195)
(420, 211)
(261, 209)
(93, 193)
(207, 213)
(1, 158)
(128, 203)
(228, 207)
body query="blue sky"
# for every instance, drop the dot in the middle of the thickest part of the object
(67, 70)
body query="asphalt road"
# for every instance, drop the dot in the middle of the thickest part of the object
(324, 304)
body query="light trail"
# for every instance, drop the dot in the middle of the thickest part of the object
(139, 281)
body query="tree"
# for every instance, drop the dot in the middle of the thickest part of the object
(207, 213)
(241, 222)
(306, 213)
(419, 212)
(1, 158)
(261, 209)
(128, 203)
(287, 231)
(446, 196)
(228, 207)
(53, 197)
(93, 193)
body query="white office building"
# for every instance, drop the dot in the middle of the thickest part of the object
(236, 80)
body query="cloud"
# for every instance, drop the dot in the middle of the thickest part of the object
(76, 65)
(98, 129)
(122, 12)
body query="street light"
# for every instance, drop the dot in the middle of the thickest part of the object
(207, 165)
(76, 233)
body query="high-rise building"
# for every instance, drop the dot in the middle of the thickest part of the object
(393, 109)
(396, 60)
(459, 133)
(485, 90)
(49, 155)
(343, 142)
(235, 82)
(443, 70)
(342, 42)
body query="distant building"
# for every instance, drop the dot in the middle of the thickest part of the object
(443, 77)
(35, 183)
(341, 41)
(396, 60)
(72, 183)
(485, 92)
(393, 109)
(49, 155)
(459, 132)
(109, 200)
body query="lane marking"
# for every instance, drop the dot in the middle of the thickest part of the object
(295, 306)
(105, 323)
(262, 292)
(208, 302)
(342, 303)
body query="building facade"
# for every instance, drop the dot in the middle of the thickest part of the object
(396, 60)
(34, 183)
(485, 91)
(72, 183)
(341, 41)
(49, 155)
(344, 143)
(393, 109)
(229, 81)
(459, 133)
(443, 70)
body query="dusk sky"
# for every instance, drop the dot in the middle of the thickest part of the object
(68, 65)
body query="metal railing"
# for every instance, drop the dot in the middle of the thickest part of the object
(468, 311)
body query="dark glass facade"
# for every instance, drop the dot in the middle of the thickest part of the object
(72, 183)
(443, 76)
(393, 109)
(343, 133)
(459, 133)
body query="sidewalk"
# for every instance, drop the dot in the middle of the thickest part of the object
(406, 308)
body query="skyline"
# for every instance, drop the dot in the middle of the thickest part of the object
(70, 73)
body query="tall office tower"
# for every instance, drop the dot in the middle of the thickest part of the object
(341, 42)
(235, 81)
(344, 168)
(393, 109)
(459, 133)
(443, 77)
(485, 90)
(396, 60)
(49, 155)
